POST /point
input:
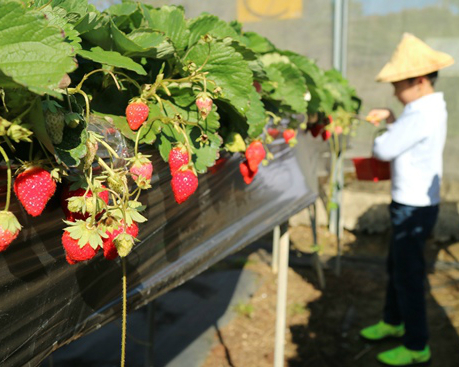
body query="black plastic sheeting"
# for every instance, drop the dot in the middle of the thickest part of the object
(46, 303)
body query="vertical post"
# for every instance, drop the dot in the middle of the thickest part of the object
(275, 257)
(149, 351)
(315, 256)
(340, 30)
(281, 298)
(337, 34)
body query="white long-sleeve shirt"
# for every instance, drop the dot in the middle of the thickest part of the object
(414, 145)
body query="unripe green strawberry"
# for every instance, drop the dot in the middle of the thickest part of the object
(235, 143)
(34, 187)
(184, 183)
(117, 183)
(204, 104)
(91, 150)
(178, 157)
(136, 113)
(124, 243)
(55, 123)
(9, 229)
(112, 231)
(254, 154)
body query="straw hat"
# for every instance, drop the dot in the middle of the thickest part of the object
(412, 58)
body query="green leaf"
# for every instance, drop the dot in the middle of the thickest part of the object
(141, 42)
(206, 155)
(57, 17)
(227, 69)
(257, 43)
(288, 83)
(308, 67)
(32, 53)
(112, 58)
(183, 103)
(73, 147)
(75, 8)
(209, 24)
(95, 28)
(37, 120)
(169, 20)
(256, 117)
(123, 9)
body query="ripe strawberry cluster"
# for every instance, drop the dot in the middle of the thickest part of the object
(184, 178)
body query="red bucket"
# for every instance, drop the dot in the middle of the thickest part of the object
(371, 169)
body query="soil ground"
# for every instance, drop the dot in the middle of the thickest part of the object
(323, 324)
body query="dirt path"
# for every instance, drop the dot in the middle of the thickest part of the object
(323, 325)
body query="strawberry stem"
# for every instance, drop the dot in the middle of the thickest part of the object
(8, 165)
(137, 138)
(107, 146)
(123, 328)
(86, 76)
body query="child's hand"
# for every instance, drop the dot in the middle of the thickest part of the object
(376, 115)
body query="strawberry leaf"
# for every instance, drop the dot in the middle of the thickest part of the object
(209, 24)
(73, 147)
(256, 118)
(48, 57)
(112, 58)
(170, 21)
(141, 42)
(227, 68)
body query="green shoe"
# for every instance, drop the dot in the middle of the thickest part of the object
(402, 356)
(382, 330)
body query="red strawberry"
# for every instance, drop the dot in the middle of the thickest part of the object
(326, 134)
(338, 129)
(136, 114)
(110, 252)
(34, 187)
(178, 157)
(288, 134)
(257, 86)
(9, 229)
(67, 194)
(204, 104)
(184, 183)
(145, 170)
(217, 165)
(247, 174)
(316, 129)
(141, 170)
(273, 132)
(255, 153)
(75, 253)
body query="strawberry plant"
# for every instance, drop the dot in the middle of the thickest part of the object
(135, 75)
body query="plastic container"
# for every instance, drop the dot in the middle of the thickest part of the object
(371, 169)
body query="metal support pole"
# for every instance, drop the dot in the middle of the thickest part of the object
(275, 257)
(281, 298)
(315, 256)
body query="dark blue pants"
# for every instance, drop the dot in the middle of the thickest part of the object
(405, 297)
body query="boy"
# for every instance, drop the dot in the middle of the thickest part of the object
(414, 145)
